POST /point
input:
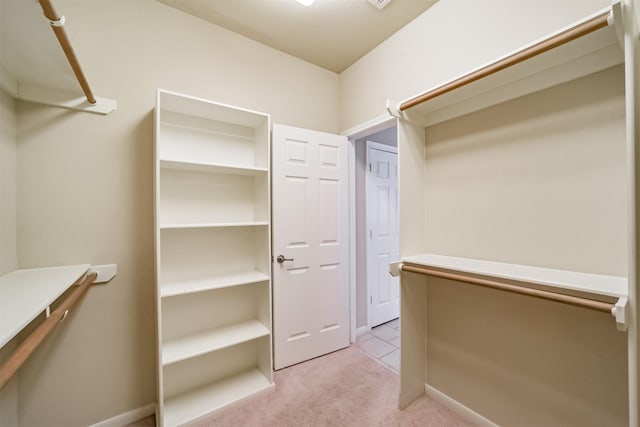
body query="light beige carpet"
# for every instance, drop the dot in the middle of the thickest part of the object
(345, 388)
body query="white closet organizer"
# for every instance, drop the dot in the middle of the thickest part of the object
(213, 256)
(599, 41)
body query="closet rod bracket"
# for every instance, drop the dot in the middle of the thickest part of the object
(394, 108)
(58, 22)
(621, 312)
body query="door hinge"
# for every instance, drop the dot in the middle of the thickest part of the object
(371, 233)
(369, 167)
(371, 299)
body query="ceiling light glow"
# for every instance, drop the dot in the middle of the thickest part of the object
(305, 2)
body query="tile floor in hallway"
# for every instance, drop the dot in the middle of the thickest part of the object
(383, 343)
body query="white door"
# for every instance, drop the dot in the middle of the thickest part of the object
(310, 235)
(382, 226)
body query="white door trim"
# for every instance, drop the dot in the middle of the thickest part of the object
(354, 134)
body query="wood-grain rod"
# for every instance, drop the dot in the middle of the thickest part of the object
(28, 346)
(537, 293)
(582, 29)
(51, 15)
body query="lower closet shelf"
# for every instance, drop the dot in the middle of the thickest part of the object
(198, 403)
(195, 345)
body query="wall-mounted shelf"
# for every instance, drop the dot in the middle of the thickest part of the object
(596, 284)
(24, 294)
(525, 71)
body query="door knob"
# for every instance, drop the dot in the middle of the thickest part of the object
(281, 259)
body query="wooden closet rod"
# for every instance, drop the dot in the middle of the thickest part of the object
(537, 293)
(24, 350)
(57, 24)
(599, 21)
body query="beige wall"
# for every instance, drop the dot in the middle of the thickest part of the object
(545, 176)
(8, 242)
(8, 149)
(85, 188)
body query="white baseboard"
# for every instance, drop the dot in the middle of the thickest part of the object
(128, 417)
(458, 407)
(362, 330)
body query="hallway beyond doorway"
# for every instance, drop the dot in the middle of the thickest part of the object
(383, 343)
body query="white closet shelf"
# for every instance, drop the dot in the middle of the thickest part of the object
(578, 58)
(198, 403)
(609, 286)
(212, 168)
(215, 225)
(208, 284)
(216, 339)
(24, 294)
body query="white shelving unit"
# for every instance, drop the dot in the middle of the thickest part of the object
(213, 256)
(605, 39)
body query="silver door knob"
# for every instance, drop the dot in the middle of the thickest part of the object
(281, 259)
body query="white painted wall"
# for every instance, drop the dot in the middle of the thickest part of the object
(85, 193)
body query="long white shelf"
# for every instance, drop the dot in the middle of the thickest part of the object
(212, 168)
(215, 225)
(226, 336)
(207, 284)
(198, 403)
(611, 286)
(24, 294)
(581, 57)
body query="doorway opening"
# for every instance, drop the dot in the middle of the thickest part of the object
(375, 221)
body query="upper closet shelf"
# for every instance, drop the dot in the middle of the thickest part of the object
(585, 47)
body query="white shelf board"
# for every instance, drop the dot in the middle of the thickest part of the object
(24, 294)
(212, 168)
(216, 339)
(611, 286)
(216, 225)
(207, 109)
(207, 284)
(198, 403)
(578, 58)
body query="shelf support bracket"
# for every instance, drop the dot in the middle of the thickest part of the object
(621, 312)
(395, 268)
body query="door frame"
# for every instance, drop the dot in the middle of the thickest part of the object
(368, 246)
(355, 134)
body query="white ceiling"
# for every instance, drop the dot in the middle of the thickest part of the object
(332, 34)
